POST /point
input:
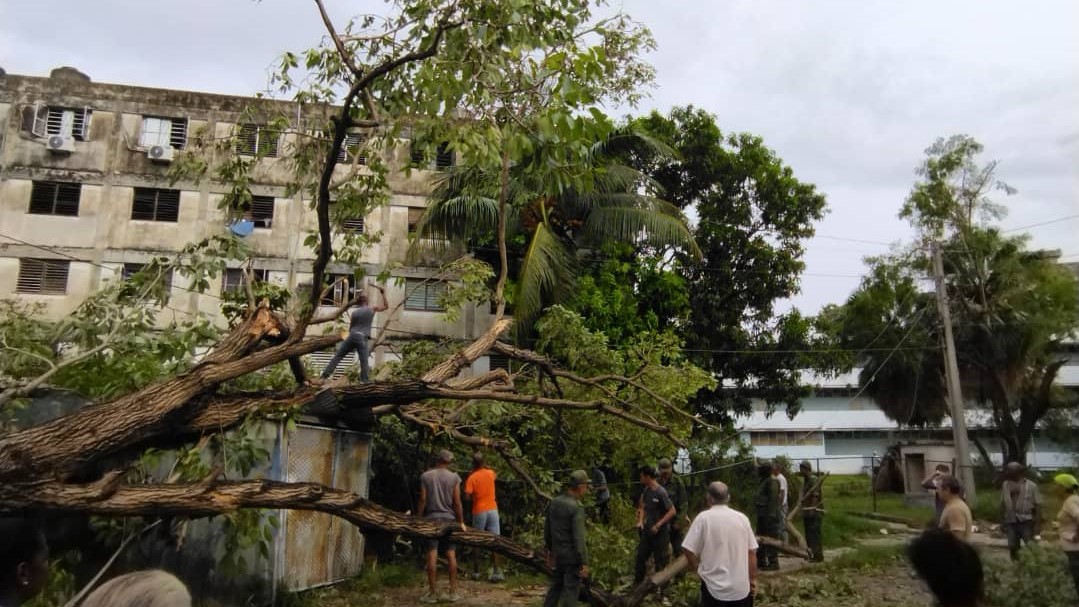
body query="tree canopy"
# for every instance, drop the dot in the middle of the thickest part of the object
(1011, 308)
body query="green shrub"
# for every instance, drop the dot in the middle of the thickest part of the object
(1040, 577)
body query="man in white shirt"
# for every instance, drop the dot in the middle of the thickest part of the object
(722, 547)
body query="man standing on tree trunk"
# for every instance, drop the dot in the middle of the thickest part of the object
(654, 513)
(440, 500)
(812, 503)
(1020, 503)
(563, 536)
(359, 335)
(676, 489)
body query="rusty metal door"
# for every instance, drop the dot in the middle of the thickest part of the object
(319, 548)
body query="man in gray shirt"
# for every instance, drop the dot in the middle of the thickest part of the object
(440, 500)
(359, 334)
(1020, 503)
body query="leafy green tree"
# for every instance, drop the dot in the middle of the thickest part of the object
(1011, 307)
(753, 216)
(557, 213)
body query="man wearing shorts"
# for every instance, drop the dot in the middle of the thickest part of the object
(480, 489)
(440, 500)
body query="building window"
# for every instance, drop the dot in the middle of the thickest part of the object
(351, 147)
(353, 225)
(418, 158)
(787, 439)
(170, 132)
(43, 276)
(443, 157)
(131, 269)
(260, 211)
(338, 289)
(66, 122)
(257, 140)
(415, 214)
(153, 204)
(234, 278)
(423, 295)
(55, 198)
(497, 360)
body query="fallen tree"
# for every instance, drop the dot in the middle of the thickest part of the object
(520, 83)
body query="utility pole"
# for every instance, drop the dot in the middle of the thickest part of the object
(955, 391)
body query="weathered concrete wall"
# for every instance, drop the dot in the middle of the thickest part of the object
(110, 165)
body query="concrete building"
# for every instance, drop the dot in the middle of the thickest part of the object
(84, 199)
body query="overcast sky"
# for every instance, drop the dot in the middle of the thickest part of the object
(848, 93)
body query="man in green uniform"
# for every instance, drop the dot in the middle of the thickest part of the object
(563, 535)
(769, 517)
(676, 490)
(812, 502)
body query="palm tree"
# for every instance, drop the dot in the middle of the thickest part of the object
(553, 217)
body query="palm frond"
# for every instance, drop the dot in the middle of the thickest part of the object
(547, 270)
(639, 224)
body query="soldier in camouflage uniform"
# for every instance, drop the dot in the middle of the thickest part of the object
(812, 503)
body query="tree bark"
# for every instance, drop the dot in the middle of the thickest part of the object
(110, 498)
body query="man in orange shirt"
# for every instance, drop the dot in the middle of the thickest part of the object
(480, 488)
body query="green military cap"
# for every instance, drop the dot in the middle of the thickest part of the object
(665, 464)
(578, 478)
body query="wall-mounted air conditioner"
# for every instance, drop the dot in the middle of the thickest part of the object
(160, 153)
(60, 144)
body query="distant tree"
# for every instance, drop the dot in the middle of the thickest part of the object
(753, 217)
(1011, 307)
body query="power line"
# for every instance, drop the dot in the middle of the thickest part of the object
(1042, 223)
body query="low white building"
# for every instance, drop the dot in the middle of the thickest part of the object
(843, 433)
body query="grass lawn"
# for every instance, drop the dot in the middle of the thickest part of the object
(851, 493)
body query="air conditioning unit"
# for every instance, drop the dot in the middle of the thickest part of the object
(160, 153)
(59, 143)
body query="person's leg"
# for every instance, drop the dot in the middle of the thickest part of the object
(1073, 565)
(432, 567)
(494, 525)
(661, 549)
(1012, 531)
(339, 354)
(813, 527)
(640, 564)
(676, 542)
(451, 562)
(1026, 532)
(571, 586)
(363, 352)
(554, 591)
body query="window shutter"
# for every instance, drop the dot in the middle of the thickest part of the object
(417, 155)
(434, 291)
(178, 133)
(67, 198)
(168, 205)
(444, 157)
(42, 195)
(262, 211)
(45, 276)
(415, 214)
(54, 121)
(143, 205)
(81, 125)
(417, 294)
(247, 139)
(267, 142)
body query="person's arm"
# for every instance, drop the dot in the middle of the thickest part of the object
(640, 511)
(578, 540)
(382, 307)
(457, 506)
(753, 571)
(421, 507)
(691, 558)
(931, 481)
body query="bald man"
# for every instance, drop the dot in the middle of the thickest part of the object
(1020, 504)
(722, 547)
